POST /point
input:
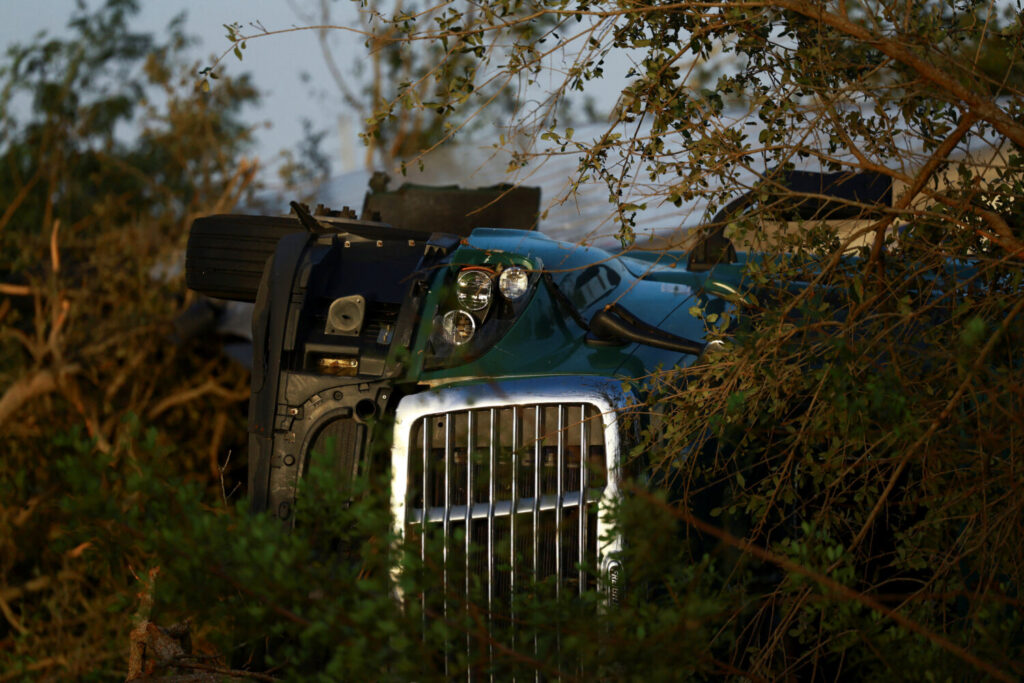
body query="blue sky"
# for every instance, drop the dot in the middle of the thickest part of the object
(275, 63)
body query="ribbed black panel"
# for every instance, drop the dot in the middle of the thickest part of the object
(338, 447)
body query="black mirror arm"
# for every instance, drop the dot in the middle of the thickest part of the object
(307, 220)
(615, 323)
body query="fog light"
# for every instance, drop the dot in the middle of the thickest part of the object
(513, 283)
(457, 327)
(473, 289)
(346, 366)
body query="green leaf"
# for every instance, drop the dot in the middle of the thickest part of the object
(973, 332)
(734, 403)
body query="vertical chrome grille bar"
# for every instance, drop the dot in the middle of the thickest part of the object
(515, 503)
(559, 487)
(559, 484)
(512, 521)
(537, 457)
(446, 522)
(584, 483)
(468, 526)
(469, 492)
(425, 426)
(491, 494)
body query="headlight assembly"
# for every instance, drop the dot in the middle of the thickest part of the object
(473, 289)
(457, 327)
(514, 282)
(476, 304)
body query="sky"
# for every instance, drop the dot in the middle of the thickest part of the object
(275, 63)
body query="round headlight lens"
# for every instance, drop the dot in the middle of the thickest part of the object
(513, 283)
(457, 327)
(473, 288)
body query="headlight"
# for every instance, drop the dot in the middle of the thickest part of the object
(474, 303)
(458, 327)
(473, 288)
(514, 283)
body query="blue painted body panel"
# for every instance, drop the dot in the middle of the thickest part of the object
(545, 340)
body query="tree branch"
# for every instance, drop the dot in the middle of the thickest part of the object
(826, 582)
(979, 105)
(29, 387)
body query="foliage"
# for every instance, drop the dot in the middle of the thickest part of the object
(836, 495)
(107, 152)
(849, 486)
(409, 95)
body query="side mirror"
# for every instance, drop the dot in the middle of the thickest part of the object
(615, 324)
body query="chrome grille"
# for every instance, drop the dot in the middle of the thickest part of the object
(514, 475)
(498, 488)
